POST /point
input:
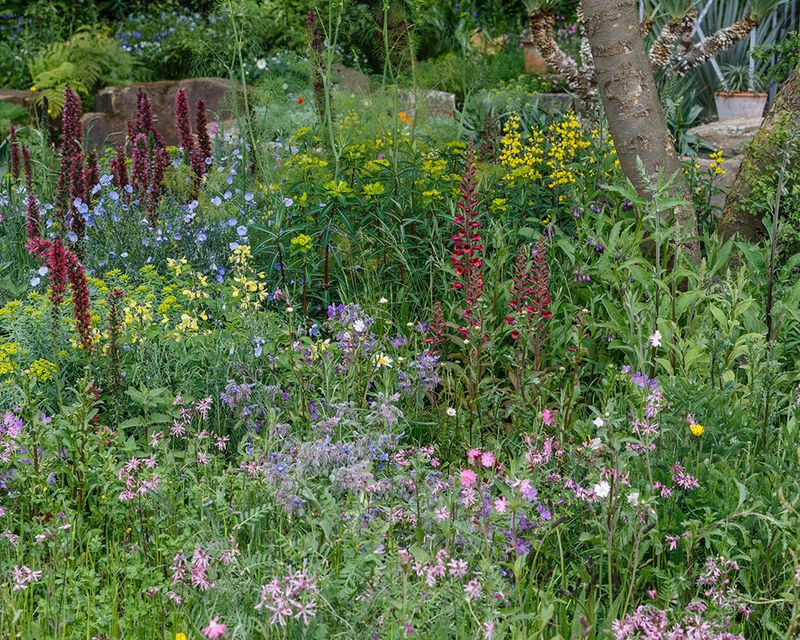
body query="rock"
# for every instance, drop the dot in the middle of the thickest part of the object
(730, 136)
(437, 104)
(722, 182)
(114, 106)
(24, 99)
(551, 102)
(351, 80)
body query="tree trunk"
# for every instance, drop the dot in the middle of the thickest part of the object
(635, 118)
(743, 210)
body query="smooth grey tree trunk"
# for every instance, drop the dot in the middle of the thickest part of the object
(635, 117)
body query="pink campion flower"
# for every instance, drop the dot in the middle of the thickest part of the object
(797, 576)
(663, 489)
(457, 568)
(473, 455)
(468, 477)
(305, 611)
(501, 504)
(652, 593)
(178, 429)
(548, 416)
(488, 630)
(202, 458)
(488, 459)
(468, 496)
(204, 406)
(683, 479)
(673, 542)
(473, 589)
(441, 514)
(215, 628)
(178, 568)
(405, 556)
(24, 576)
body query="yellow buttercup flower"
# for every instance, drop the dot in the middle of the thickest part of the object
(697, 429)
(180, 636)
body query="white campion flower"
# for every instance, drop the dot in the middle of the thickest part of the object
(655, 339)
(602, 489)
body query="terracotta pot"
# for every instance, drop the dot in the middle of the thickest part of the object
(736, 104)
(534, 62)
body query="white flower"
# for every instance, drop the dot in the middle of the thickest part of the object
(289, 310)
(359, 326)
(261, 63)
(382, 301)
(633, 498)
(382, 360)
(595, 444)
(599, 422)
(655, 339)
(451, 412)
(602, 489)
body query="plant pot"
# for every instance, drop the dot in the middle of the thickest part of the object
(735, 104)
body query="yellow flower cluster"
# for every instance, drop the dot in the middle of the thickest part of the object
(248, 288)
(566, 141)
(373, 189)
(337, 188)
(302, 241)
(7, 351)
(41, 370)
(523, 160)
(716, 163)
(551, 154)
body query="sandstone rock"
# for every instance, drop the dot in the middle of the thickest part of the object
(728, 135)
(351, 80)
(25, 99)
(551, 102)
(437, 104)
(115, 105)
(722, 182)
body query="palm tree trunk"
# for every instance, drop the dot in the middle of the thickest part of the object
(635, 117)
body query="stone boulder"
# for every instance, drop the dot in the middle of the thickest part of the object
(351, 80)
(114, 106)
(436, 104)
(730, 136)
(24, 99)
(722, 182)
(551, 102)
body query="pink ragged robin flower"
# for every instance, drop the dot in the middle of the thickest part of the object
(215, 628)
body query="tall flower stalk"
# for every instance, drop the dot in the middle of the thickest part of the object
(530, 304)
(467, 262)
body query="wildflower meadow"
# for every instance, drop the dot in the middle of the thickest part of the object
(335, 366)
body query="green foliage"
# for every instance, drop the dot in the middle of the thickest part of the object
(89, 60)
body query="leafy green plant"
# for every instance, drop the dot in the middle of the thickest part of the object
(87, 61)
